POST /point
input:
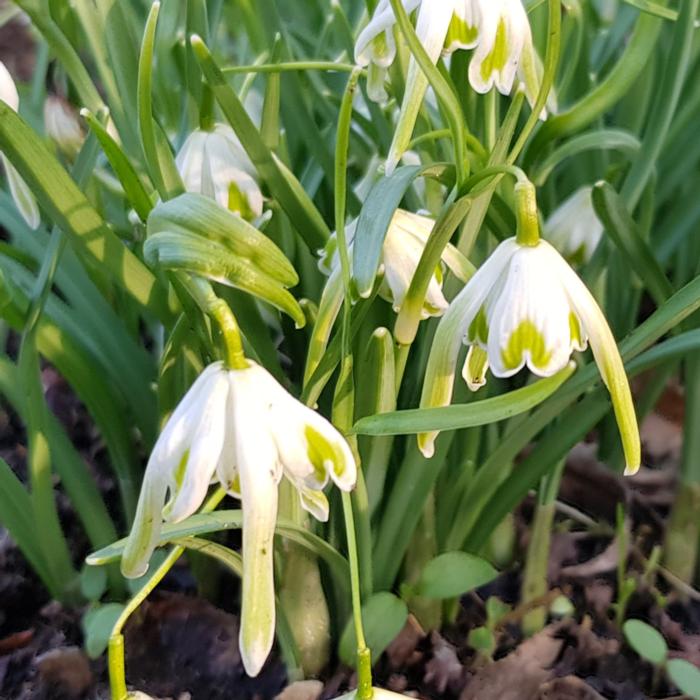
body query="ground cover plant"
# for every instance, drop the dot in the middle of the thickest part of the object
(349, 349)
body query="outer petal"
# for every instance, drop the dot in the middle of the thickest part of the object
(463, 32)
(168, 452)
(501, 41)
(402, 251)
(433, 21)
(375, 44)
(257, 459)
(529, 322)
(475, 368)
(573, 228)
(310, 448)
(22, 195)
(204, 453)
(609, 363)
(8, 89)
(442, 363)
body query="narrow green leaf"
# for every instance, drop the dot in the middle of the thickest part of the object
(452, 574)
(133, 187)
(373, 224)
(383, 617)
(230, 559)
(619, 224)
(283, 185)
(206, 523)
(69, 209)
(468, 415)
(646, 641)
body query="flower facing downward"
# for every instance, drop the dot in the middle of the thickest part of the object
(242, 428)
(62, 126)
(21, 194)
(215, 164)
(526, 306)
(497, 30)
(574, 228)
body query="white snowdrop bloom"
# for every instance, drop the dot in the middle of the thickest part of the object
(215, 164)
(21, 194)
(242, 428)
(62, 126)
(574, 228)
(498, 30)
(526, 307)
(402, 250)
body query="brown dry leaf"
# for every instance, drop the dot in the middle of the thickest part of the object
(662, 438)
(444, 670)
(65, 672)
(519, 675)
(403, 650)
(567, 688)
(605, 562)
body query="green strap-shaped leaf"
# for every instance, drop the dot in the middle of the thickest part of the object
(194, 213)
(284, 187)
(206, 523)
(463, 415)
(624, 231)
(68, 207)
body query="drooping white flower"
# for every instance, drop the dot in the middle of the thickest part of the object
(215, 164)
(62, 126)
(526, 307)
(21, 194)
(574, 228)
(242, 428)
(403, 247)
(498, 30)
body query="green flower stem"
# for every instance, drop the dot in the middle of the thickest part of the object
(344, 399)
(551, 63)
(364, 657)
(217, 309)
(537, 560)
(442, 88)
(528, 231)
(115, 651)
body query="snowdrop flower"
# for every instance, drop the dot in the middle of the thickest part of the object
(574, 228)
(498, 30)
(62, 126)
(21, 194)
(403, 247)
(215, 164)
(241, 428)
(526, 307)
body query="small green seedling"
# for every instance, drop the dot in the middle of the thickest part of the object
(652, 647)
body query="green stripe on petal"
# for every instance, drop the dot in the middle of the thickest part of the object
(526, 337)
(496, 60)
(324, 455)
(460, 35)
(479, 328)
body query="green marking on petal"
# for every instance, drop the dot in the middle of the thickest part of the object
(380, 48)
(475, 367)
(496, 61)
(479, 328)
(526, 337)
(179, 474)
(460, 34)
(323, 454)
(575, 329)
(238, 202)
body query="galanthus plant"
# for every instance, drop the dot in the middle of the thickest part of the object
(260, 258)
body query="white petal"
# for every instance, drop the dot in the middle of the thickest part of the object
(22, 195)
(382, 23)
(529, 321)
(8, 89)
(257, 460)
(609, 362)
(204, 452)
(450, 334)
(574, 228)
